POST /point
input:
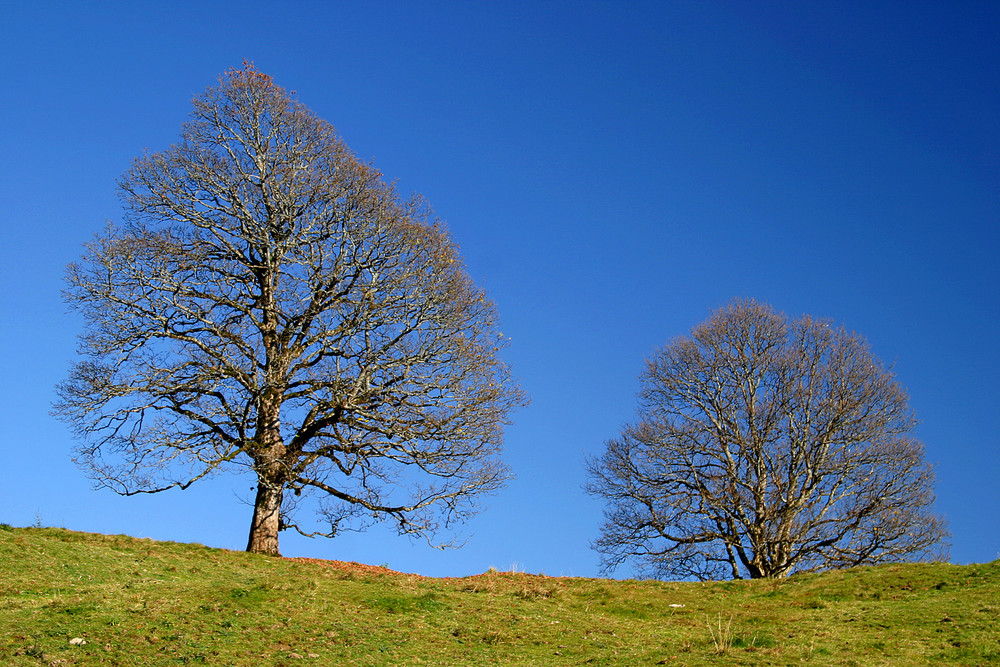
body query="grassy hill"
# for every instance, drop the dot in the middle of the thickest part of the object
(139, 602)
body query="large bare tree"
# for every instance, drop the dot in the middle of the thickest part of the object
(765, 446)
(271, 304)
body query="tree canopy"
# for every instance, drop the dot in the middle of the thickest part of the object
(270, 304)
(765, 445)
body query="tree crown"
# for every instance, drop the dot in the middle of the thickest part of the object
(766, 445)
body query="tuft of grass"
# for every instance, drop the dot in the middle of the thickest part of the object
(722, 635)
(136, 602)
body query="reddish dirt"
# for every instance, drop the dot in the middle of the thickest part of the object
(353, 568)
(361, 568)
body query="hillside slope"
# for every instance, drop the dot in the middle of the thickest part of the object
(138, 602)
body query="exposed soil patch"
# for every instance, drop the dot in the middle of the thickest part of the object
(353, 568)
(361, 568)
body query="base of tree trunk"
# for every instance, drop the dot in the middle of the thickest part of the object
(266, 521)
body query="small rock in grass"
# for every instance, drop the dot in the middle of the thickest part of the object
(77, 641)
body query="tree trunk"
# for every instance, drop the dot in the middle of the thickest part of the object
(266, 519)
(268, 462)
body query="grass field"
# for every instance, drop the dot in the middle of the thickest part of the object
(69, 598)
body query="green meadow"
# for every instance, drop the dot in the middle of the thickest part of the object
(69, 598)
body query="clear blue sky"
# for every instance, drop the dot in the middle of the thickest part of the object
(612, 172)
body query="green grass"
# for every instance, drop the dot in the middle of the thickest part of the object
(139, 602)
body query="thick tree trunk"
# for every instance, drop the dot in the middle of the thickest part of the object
(266, 520)
(268, 461)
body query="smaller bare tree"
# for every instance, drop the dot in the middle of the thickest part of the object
(766, 446)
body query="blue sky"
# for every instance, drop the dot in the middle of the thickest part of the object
(612, 171)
